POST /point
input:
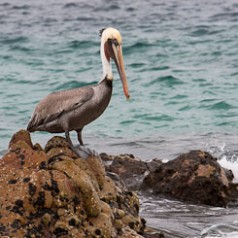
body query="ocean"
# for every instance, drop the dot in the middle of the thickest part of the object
(181, 61)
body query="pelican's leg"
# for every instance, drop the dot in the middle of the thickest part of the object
(69, 140)
(74, 149)
(79, 150)
(85, 152)
(80, 139)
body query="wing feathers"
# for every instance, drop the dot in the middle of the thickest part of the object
(57, 103)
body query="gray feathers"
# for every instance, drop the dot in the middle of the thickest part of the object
(58, 103)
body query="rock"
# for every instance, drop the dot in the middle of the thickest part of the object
(53, 193)
(195, 176)
(21, 135)
(131, 170)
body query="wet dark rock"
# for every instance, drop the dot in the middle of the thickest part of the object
(155, 235)
(130, 170)
(196, 177)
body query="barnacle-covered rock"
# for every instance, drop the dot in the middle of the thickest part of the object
(54, 193)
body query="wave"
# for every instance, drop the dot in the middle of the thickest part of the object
(169, 80)
(203, 30)
(76, 44)
(222, 105)
(141, 46)
(20, 7)
(9, 40)
(230, 16)
(72, 84)
(152, 117)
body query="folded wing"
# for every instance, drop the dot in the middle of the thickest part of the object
(57, 103)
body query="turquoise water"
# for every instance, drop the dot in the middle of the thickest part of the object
(181, 60)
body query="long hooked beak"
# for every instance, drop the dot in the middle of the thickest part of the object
(117, 49)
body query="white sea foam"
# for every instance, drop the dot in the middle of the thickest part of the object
(221, 230)
(229, 164)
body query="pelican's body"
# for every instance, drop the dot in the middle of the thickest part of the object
(69, 110)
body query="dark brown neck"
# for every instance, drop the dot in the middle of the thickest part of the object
(108, 82)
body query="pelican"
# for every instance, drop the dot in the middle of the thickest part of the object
(71, 110)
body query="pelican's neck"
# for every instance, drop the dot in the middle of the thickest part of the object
(106, 65)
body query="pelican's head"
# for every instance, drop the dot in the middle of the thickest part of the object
(111, 48)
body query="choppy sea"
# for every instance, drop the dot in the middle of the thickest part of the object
(181, 60)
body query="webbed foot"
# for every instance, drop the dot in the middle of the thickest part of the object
(80, 150)
(84, 152)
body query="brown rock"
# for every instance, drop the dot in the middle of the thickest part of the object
(131, 170)
(21, 135)
(195, 176)
(53, 193)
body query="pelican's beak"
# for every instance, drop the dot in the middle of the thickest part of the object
(117, 50)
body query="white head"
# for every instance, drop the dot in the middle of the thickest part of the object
(111, 48)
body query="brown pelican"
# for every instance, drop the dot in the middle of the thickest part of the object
(72, 109)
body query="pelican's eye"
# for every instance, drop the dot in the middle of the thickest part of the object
(113, 41)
